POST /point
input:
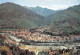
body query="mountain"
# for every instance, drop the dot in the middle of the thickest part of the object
(72, 12)
(66, 21)
(42, 11)
(16, 16)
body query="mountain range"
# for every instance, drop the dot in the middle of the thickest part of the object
(42, 11)
(16, 16)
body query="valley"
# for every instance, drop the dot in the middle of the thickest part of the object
(39, 31)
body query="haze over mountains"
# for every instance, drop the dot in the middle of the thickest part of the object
(42, 11)
(16, 16)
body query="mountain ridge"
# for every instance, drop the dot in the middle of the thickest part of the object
(41, 11)
(66, 21)
(13, 15)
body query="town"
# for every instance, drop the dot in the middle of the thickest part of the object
(39, 36)
(41, 43)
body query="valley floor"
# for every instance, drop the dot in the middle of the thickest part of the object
(35, 46)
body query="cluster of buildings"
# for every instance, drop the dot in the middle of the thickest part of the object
(37, 36)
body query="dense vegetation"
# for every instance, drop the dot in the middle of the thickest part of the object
(72, 12)
(66, 21)
(16, 16)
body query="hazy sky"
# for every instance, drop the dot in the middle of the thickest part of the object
(51, 4)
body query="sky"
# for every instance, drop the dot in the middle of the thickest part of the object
(50, 4)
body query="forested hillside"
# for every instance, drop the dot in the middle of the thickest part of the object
(16, 16)
(66, 21)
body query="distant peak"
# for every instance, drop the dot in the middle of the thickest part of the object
(42, 7)
(38, 7)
